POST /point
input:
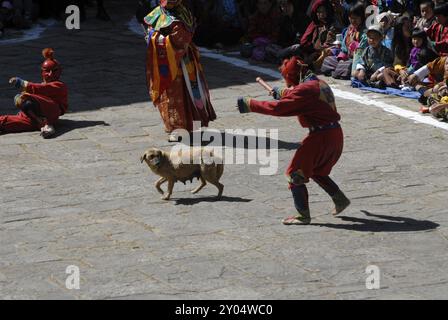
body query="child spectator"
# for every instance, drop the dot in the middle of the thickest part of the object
(289, 24)
(319, 36)
(263, 30)
(219, 23)
(438, 33)
(354, 39)
(386, 23)
(340, 14)
(419, 56)
(375, 58)
(427, 16)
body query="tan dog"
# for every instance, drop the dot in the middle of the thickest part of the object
(170, 168)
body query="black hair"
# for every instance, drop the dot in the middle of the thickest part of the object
(400, 45)
(419, 33)
(430, 3)
(358, 10)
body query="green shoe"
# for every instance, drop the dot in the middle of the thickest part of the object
(341, 202)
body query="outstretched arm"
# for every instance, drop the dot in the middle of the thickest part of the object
(286, 107)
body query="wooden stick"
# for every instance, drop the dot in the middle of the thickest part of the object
(264, 84)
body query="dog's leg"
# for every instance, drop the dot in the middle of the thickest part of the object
(199, 188)
(217, 184)
(169, 191)
(159, 183)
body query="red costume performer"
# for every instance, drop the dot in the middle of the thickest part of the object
(312, 101)
(40, 104)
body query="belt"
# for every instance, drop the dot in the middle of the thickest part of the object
(324, 127)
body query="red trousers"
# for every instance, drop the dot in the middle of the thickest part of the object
(317, 155)
(17, 123)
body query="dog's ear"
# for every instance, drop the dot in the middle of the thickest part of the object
(143, 158)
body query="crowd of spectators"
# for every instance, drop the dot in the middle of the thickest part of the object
(399, 44)
(21, 14)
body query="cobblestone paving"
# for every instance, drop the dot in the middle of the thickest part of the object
(84, 199)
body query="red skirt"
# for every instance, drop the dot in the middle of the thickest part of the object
(318, 153)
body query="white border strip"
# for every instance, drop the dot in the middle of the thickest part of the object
(412, 115)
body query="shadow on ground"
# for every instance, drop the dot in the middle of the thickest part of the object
(389, 224)
(64, 125)
(193, 201)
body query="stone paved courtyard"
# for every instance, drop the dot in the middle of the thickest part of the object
(84, 199)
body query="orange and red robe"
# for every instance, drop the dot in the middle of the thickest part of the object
(52, 98)
(314, 104)
(175, 78)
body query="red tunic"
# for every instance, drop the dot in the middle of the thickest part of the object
(52, 98)
(439, 34)
(314, 104)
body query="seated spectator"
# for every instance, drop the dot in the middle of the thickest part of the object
(354, 39)
(219, 23)
(263, 30)
(438, 33)
(419, 56)
(437, 72)
(404, 62)
(402, 7)
(340, 14)
(386, 23)
(289, 34)
(17, 14)
(375, 58)
(289, 24)
(319, 36)
(246, 8)
(6, 14)
(427, 15)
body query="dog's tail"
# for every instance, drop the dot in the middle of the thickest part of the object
(219, 170)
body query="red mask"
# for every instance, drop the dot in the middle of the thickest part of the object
(50, 69)
(292, 70)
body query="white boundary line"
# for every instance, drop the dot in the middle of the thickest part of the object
(31, 34)
(411, 115)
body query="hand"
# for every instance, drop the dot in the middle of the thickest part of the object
(362, 75)
(326, 52)
(17, 82)
(244, 104)
(412, 80)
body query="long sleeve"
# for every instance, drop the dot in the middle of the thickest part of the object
(52, 89)
(288, 106)
(180, 38)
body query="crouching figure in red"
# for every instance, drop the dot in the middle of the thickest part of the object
(312, 101)
(40, 104)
